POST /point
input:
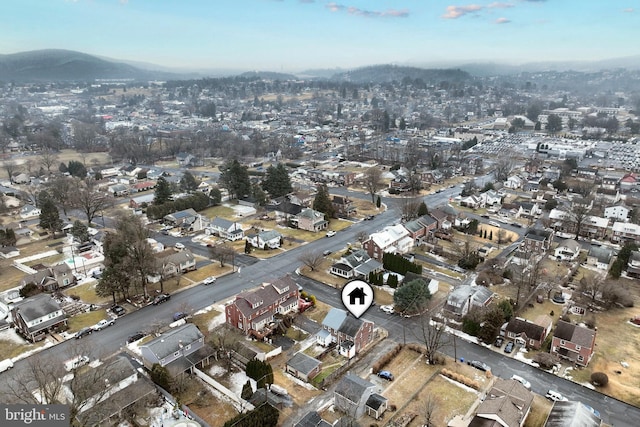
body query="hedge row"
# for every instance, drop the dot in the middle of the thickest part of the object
(386, 358)
(462, 379)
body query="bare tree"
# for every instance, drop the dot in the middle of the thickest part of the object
(527, 275)
(12, 168)
(577, 217)
(48, 159)
(592, 284)
(409, 207)
(373, 181)
(61, 189)
(432, 335)
(429, 406)
(91, 200)
(502, 169)
(312, 259)
(222, 253)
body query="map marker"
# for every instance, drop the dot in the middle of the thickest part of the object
(357, 297)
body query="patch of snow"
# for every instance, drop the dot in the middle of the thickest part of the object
(237, 380)
(462, 386)
(300, 382)
(11, 335)
(217, 371)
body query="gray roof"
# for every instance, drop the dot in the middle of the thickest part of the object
(37, 306)
(171, 256)
(334, 318)
(368, 267)
(576, 334)
(171, 341)
(601, 253)
(222, 223)
(375, 401)
(479, 294)
(303, 363)
(571, 414)
(537, 234)
(352, 387)
(350, 326)
(312, 419)
(187, 213)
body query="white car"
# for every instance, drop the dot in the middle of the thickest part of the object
(331, 233)
(522, 381)
(495, 224)
(209, 280)
(555, 396)
(76, 363)
(179, 246)
(387, 309)
(103, 324)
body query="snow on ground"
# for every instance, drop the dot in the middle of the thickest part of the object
(236, 380)
(10, 335)
(216, 321)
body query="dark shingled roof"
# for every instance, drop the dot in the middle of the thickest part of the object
(576, 334)
(352, 387)
(303, 363)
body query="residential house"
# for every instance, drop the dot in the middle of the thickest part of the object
(464, 298)
(284, 207)
(36, 316)
(432, 176)
(312, 419)
(491, 198)
(573, 342)
(179, 218)
(527, 333)
(594, 227)
(350, 334)
(510, 210)
(419, 228)
(628, 182)
(633, 264)
(118, 190)
(343, 207)
(29, 211)
(513, 182)
(394, 239)
(530, 209)
(252, 311)
(507, 404)
(143, 186)
(567, 250)
(623, 232)
(171, 262)
(311, 220)
(537, 241)
(138, 201)
(351, 395)
(226, 229)
(356, 264)
(618, 211)
(444, 215)
(179, 349)
(610, 181)
(572, 413)
(50, 279)
(103, 402)
(472, 201)
(600, 257)
(303, 366)
(267, 239)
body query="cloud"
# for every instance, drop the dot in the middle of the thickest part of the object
(351, 10)
(499, 5)
(628, 10)
(455, 12)
(502, 21)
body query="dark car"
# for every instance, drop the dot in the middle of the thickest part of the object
(135, 337)
(498, 342)
(479, 365)
(161, 298)
(368, 217)
(386, 375)
(179, 315)
(83, 333)
(509, 347)
(327, 252)
(118, 310)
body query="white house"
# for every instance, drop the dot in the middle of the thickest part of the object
(29, 211)
(619, 212)
(267, 239)
(514, 181)
(567, 250)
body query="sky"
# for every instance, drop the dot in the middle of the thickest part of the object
(294, 35)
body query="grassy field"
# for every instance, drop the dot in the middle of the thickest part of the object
(540, 408)
(10, 348)
(87, 293)
(83, 320)
(10, 276)
(318, 312)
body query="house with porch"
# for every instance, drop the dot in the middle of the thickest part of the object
(352, 394)
(180, 349)
(171, 262)
(464, 298)
(37, 316)
(573, 342)
(350, 335)
(567, 250)
(507, 404)
(600, 257)
(267, 239)
(226, 229)
(537, 241)
(356, 264)
(252, 311)
(343, 207)
(623, 232)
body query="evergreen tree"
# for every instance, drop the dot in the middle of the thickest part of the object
(80, 231)
(235, 178)
(412, 297)
(163, 192)
(277, 182)
(247, 390)
(50, 216)
(423, 209)
(215, 195)
(76, 168)
(403, 124)
(189, 183)
(378, 202)
(322, 202)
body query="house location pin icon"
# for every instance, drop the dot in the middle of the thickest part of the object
(357, 297)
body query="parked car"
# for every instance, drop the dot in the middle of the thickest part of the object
(479, 365)
(368, 217)
(498, 342)
(103, 324)
(522, 381)
(135, 337)
(495, 224)
(161, 298)
(179, 315)
(118, 310)
(387, 309)
(83, 333)
(6, 365)
(209, 280)
(179, 246)
(327, 252)
(386, 375)
(331, 233)
(509, 347)
(555, 396)
(76, 362)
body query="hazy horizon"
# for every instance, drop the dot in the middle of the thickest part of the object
(294, 35)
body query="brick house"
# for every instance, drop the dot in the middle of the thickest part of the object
(419, 228)
(623, 232)
(537, 241)
(351, 335)
(311, 220)
(574, 343)
(36, 316)
(252, 311)
(343, 207)
(528, 333)
(393, 238)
